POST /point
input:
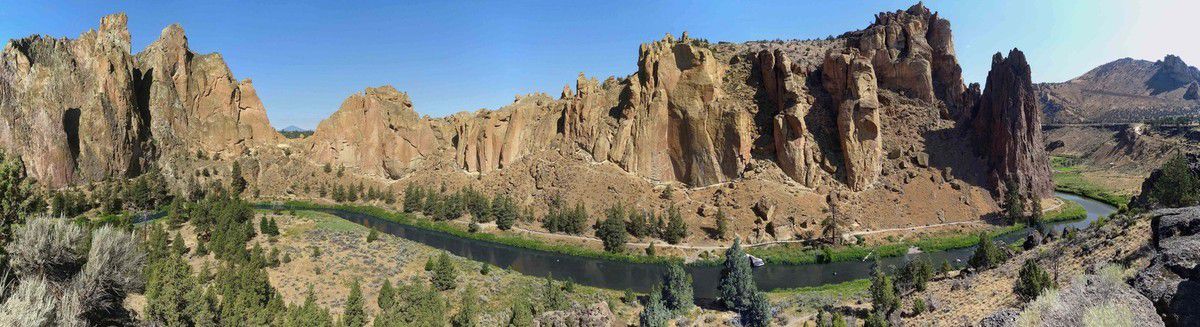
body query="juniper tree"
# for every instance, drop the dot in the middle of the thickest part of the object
(737, 281)
(354, 314)
(677, 289)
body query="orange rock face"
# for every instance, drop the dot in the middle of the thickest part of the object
(374, 132)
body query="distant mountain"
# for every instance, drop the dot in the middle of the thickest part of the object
(294, 128)
(1125, 90)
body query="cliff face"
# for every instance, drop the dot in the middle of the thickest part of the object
(195, 102)
(1007, 125)
(375, 131)
(850, 81)
(86, 109)
(68, 108)
(912, 52)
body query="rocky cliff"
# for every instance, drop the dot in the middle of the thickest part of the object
(195, 102)
(1124, 91)
(69, 107)
(86, 109)
(1006, 122)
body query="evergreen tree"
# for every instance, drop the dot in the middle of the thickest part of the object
(677, 289)
(444, 275)
(412, 198)
(1014, 203)
(1032, 280)
(915, 274)
(638, 225)
(238, 183)
(387, 295)
(737, 282)
(722, 225)
(612, 229)
(759, 312)
(354, 315)
(838, 320)
(415, 305)
(1176, 186)
(467, 312)
(553, 296)
(987, 254)
(654, 312)
(20, 196)
(503, 209)
(522, 314)
(883, 292)
(676, 229)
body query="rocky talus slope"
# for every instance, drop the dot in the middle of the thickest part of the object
(86, 109)
(1124, 91)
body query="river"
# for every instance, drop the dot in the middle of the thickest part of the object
(641, 277)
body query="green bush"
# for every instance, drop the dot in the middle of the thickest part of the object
(1032, 280)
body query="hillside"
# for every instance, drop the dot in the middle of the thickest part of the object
(1124, 91)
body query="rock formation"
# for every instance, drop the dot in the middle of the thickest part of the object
(850, 81)
(1006, 123)
(784, 84)
(375, 132)
(195, 102)
(912, 52)
(1172, 281)
(68, 107)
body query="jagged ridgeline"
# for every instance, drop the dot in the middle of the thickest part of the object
(877, 119)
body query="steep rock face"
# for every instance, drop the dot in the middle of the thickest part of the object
(913, 53)
(68, 108)
(195, 102)
(850, 81)
(491, 140)
(1172, 281)
(375, 132)
(1007, 125)
(667, 125)
(784, 85)
(1193, 92)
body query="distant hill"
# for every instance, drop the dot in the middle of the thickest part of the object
(294, 128)
(295, 132)
(1125, 90)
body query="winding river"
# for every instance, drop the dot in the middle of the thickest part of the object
(641, 277)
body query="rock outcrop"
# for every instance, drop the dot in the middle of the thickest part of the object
(195, 102)
(1089, 299)
(1006, 124)
(912, 52)
(850, 81)
(1172, 281)
(487, 140)
(375, 132)
(784, 84)
(68, 107)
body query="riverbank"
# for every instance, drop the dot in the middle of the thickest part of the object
(514, 241)
(1069, 177)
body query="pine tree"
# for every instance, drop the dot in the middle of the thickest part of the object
(677, 289)
(737, 282)
(387, 295)
(238, 183)
(654, 312)
(1032, 280)
(759, 312)
(412, 198)
(355, 315)
(444, 275)
(676, 228)
(722, 225)
(612, 229)
(522, 314)
(883, 292)
(987, 254)
(467, 312)
(504, 211)
(554, 296)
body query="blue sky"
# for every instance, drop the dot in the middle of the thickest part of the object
(305, 58)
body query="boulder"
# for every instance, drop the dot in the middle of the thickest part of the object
(1172, 281)
(1087, 295)
(595, 315)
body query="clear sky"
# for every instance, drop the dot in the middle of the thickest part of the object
(464, 55)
